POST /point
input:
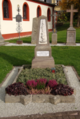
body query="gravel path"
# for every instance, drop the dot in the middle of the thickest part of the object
(29, 44)
(15, 109)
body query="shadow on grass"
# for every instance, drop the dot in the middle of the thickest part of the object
(65, 26)
(13, 60)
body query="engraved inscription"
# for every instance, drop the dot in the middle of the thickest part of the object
(42, 53)
(42, 33)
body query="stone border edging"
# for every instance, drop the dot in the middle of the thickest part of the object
(40, 98)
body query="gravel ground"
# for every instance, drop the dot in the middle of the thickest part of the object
(16, 109)
(29, 44)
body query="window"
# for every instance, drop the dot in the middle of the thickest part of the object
(7, 10)
(25, 12)
(38, 11)
(48, 15)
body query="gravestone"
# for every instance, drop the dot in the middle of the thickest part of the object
(71, 32)
(43, 56)
(54, 34)
(1, 38)
(34, 31)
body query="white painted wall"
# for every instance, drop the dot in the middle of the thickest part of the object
(9, 26)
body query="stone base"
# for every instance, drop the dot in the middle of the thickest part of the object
(43, 63)
(70, 44)
(19, 42)
(3, 43)
(71, 36)
(54, 38)
(33, 42)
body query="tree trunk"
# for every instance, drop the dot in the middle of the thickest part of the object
(78, 22)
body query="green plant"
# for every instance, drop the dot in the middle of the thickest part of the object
(41, 83)
(47, 90)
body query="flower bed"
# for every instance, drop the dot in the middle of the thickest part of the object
(28, 74)
(40, 90)
(41, 86)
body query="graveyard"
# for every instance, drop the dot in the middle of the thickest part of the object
(43, 76)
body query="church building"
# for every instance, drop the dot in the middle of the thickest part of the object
(29, 9)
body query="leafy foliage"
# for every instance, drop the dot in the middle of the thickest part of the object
(41, 83)
(16, 89)
(31, 84)
(61, 89)
(52, 83)
(47, 90)
(29, 74)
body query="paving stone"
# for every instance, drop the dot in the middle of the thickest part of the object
(40, 98)
(25, 99)
(68, 99)
(12, 99)
(55, 99)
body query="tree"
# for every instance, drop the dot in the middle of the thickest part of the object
(66, 4)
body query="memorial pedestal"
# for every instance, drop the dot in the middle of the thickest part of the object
(54, 38)
(43, 58)
(71, 36)
(2, 40)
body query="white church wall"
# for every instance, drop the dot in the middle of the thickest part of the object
(9, 26)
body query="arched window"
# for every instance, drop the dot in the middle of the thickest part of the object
(25, 12)
(48, 15)
(38, 11)
(7, 10)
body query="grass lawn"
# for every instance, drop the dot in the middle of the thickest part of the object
(61, 31)
(16, 56)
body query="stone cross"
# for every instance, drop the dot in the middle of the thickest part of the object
(72, 10)
(54, 30)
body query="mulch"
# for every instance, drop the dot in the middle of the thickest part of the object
(59, 115)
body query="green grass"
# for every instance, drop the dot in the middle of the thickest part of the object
(16, 56)
(61, 31)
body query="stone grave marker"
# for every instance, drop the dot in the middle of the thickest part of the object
(2, 42)
(34, 31)
(71, 32)
(54, 34)
(43, 56)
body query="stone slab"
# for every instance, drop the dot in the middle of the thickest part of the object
(71, 36)
(43, 62)
(39, 98)
(25, 99)
(34, 31)
(12, 99)
(54, 38)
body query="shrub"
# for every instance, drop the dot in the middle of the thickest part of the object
(16, 89)
(61, 89)
(47, 90)
(41, 83)
(52, 83)
(31, 84)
